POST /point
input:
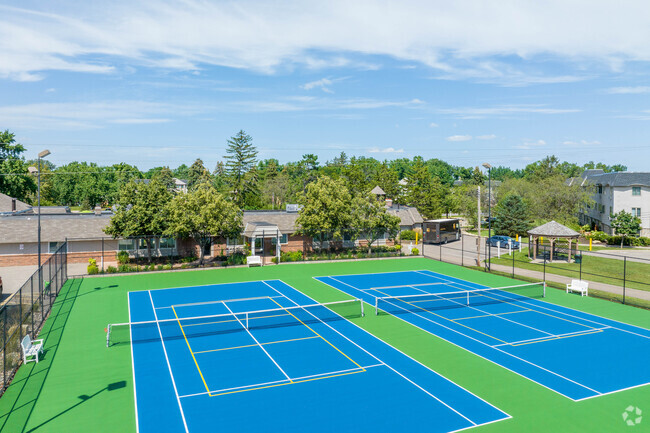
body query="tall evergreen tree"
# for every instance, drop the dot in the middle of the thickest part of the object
(241, 157)
(512, 216)
(424, 192)
(197, 174)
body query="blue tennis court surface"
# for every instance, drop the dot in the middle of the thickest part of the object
(261, 356)
(576, 354)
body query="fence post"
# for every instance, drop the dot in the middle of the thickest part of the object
(624, 272)
(513, 263)
(102, 254)
(31, 284)
(4, 339)
(544, 266)
(581, 259)
(462, 251)
(439, 245)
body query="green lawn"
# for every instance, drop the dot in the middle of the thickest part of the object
(597, 269)
(82, 386)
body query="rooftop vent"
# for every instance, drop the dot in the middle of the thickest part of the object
(293, 208)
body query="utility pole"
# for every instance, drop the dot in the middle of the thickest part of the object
(478, 239)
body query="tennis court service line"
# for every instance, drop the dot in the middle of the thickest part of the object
(525, 310)
(217, 302)
(555, 337)
(258, 343)
(255, 345)
(189, 348)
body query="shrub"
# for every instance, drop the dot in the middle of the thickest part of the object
(407, 235)
(92, 267)
(122, 257)
(167, 267)
(159, 267)
(124, 268)
(111, 270)
(415, 251)
(236, 259)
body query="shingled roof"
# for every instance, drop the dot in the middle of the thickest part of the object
(5, 204)
(553, 229)
(624, 178)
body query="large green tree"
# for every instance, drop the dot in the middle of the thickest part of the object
(197, 174)
(512, 217)
(241, 157)
(202, 214)
(15, 180)
(327, 210)
(140, 211)
(371, 220)
(625, 224)
(425, 192)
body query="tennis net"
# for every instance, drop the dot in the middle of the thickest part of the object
(458, 299)
(200, 326)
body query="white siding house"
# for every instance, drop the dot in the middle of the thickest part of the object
(614, 192)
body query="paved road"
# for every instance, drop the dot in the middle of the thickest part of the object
(464, 252)
(13, 277)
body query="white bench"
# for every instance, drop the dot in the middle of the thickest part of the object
(31, 349)
(254, 261)
(578, 286)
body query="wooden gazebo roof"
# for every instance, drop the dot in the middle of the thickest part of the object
(553, 229)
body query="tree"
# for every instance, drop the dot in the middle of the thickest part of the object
(165, 176)
(425, 192)
(371, 219)
(197, 174)
(15, 180)
(512, 216)
(202, 214)
(140, 211)
(9, 149)
(327, 208)
(625, 224)
(241, 157)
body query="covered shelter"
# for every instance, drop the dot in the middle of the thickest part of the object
(554, 232)
(262, 230)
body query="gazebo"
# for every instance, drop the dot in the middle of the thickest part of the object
(554, 231)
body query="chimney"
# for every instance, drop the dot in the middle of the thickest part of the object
(98, 210)
(13, 205)
(389, 202)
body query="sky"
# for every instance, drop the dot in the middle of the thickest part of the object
(155, 83)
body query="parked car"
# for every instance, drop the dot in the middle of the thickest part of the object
(0, 287)
(502, 241)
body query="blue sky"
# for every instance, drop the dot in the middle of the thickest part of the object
(165, 82)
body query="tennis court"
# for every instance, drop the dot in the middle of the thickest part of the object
(575, 354)
(262, 356)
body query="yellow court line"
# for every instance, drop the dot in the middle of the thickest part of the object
(284, 384)
(324, 339)
(233, 320)
(451, 320)
(190, 348)
(256, 345)
(557, 338)
(495, 314)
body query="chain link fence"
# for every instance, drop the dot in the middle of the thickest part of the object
(25, 311)
(612, 276)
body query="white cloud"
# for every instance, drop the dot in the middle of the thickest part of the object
(486, 137)
(581, 143)
(629, 90)
(459, 138)
(504, 111)
(385, 150)
(322, 84)
(460, 39)
(433, 125)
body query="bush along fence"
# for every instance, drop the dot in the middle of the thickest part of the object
(611, 276)
(156, 253)
(25, 312)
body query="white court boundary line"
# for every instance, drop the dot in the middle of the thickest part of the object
(135, 395)
(508, 416)
(556, 310)
(478, 341)
(217, 302)
(180, 406)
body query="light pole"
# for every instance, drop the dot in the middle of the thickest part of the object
(41, 155)
(489, 169)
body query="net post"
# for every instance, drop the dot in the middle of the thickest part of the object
(247, 321)
(362, 312)
(468, 298)
(108, 335)
(376, 306)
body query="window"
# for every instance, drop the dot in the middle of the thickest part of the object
(284, 239)
(53, 246)
(636, 211)
(235, 242)
(636, 190)
(125, 244)
(142, 244)
(600, 189)
(167, 243)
